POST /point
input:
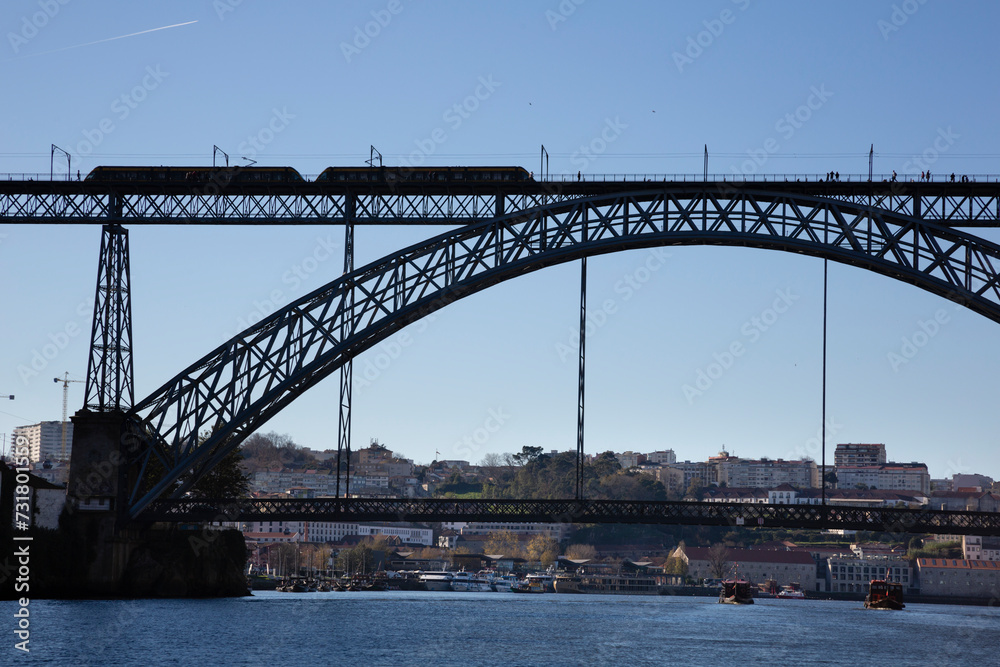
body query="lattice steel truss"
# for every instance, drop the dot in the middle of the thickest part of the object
(887, 519)
(237, 387)
(110, 382)
(951, 204)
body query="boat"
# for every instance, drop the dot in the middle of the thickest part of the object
(736, 591)
(525, 586)
(791, 592)
(884, 594)
(502, 583)
(436, 581)
(468, 583)
(542, 582)
(568, 583)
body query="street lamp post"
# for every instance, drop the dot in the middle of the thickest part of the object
(3, 438)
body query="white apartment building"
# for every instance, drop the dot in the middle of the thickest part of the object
(628, 459)
(851, 574)
(662, 457)
(330, 531)
(888, 476)
(859, 455)
(768, 473)
(556, 531)
(45, 441)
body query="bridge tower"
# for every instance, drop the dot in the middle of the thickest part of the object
(94, 483)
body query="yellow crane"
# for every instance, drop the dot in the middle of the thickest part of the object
(65, 380)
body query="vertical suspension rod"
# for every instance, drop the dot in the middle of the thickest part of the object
(581, 394)
(822, 481)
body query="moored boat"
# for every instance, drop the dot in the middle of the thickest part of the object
(568, 583)
(736, 591)
(884, 594)
(791, 592)
(436, 581)
(467, 582)
(525, 586)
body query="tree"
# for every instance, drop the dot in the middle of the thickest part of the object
(581, 552)
(503, 542)
(675, 565)
(718, 560)
(225, 480)
(543, 549)
(527, 455)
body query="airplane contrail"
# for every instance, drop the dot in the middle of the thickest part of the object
(100, 41)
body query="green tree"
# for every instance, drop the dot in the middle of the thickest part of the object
(675, 565)
(695, 488)
(226, 480)
(527, 455)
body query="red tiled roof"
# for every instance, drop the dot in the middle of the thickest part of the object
(958, 563)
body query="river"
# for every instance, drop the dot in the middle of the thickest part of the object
(402, 628)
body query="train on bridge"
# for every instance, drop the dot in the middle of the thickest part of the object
(266, 175)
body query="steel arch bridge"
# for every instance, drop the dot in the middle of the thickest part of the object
(236, 388)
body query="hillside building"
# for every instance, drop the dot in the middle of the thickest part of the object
(45, 441)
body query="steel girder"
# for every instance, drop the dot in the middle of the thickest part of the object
(951, 204)
(110, 385)
(877, 519)
(237, 387)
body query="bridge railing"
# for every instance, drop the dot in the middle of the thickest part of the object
(646, 178)
(766, 178)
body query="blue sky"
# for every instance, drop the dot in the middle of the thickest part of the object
(775, 87)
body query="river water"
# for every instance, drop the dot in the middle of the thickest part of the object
(402, 628)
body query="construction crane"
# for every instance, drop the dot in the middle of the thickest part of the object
(65, 380)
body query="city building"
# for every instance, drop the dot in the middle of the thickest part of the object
(966, 482)
(965, 501)
(851, 573)
(767, 473)
(754, 565)
(858, 455)
(786, 494)
(629, 459)
(556, 531)
(45, 440)
(331, 531)
(888, 476)
(662, 457)
(959, 577)
(701, 472)
(975, 547)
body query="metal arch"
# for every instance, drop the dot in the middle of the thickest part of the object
(241, 384)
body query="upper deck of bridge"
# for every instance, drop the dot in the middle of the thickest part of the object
(569, 184)
(959, 201)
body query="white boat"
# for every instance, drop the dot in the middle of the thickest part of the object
(791, 593)
(467, 582)
(502, 583)
(436, 581)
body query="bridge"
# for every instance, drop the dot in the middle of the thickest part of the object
(818, 517)
(911, 231)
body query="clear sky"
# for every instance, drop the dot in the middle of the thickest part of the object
(313, 84)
